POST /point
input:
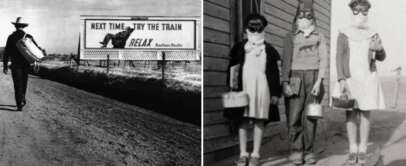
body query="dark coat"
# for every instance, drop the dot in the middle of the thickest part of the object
(11, 52)
(237, 55)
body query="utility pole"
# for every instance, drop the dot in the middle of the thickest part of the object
(398, 72)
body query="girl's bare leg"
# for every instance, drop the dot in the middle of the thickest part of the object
(364, 131)
(258, 132)
(242, 132)
(352, 130)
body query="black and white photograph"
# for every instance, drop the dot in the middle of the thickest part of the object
(367, 83)
(266, 85)
(304, 82)
(100, 82)
(202, 82)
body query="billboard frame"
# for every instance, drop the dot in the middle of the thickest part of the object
(192, 53)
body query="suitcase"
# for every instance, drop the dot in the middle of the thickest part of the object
(29, 50)
(235, 99)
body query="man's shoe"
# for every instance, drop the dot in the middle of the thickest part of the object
(20, 108)
(103, 44)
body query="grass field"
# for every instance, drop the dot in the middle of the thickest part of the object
(186, 72)
(139, 84)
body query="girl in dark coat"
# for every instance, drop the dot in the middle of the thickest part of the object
(258, 76)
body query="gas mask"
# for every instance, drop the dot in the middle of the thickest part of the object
(359, 21)
(304, 24)
(360, 17)
(305, 20)
(255, 31)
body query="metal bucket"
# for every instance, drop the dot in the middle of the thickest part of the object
(314, 110)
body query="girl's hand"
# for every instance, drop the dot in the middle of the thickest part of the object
(344, 90)
(343, 85)
(274, 100)
(376, 43)
(316, 88)
(286, 90)
(233, 86)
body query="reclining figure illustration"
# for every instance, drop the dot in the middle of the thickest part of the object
(119, 39)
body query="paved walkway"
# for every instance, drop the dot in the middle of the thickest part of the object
(387, 142)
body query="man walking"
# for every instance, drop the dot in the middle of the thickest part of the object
(19, 65)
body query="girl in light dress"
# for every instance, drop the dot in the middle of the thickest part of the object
(358, 49)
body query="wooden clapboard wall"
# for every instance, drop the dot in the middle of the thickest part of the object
(219, 35)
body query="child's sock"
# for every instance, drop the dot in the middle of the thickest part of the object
(353, 149)
(256, 155)
(244, 154)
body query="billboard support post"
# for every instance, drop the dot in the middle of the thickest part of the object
(163, 79)
(108, 63)
(163, 68)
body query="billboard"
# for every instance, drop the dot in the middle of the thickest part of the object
(140, 38)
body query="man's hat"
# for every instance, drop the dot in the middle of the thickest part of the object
(20, 22)
(127, 28)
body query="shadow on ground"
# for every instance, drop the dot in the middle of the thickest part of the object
(397, 163)
(331, 141)
(7, 107)
(383, 125)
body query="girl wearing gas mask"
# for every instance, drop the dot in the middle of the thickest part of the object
(258, 76)
(358, 48)
(304, 65)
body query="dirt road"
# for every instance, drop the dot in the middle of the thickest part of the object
(62, 125)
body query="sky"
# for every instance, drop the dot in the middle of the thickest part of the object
(55, 24)
(388, 19)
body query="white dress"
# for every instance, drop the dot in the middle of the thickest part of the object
(363, 84)
(255, 83)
